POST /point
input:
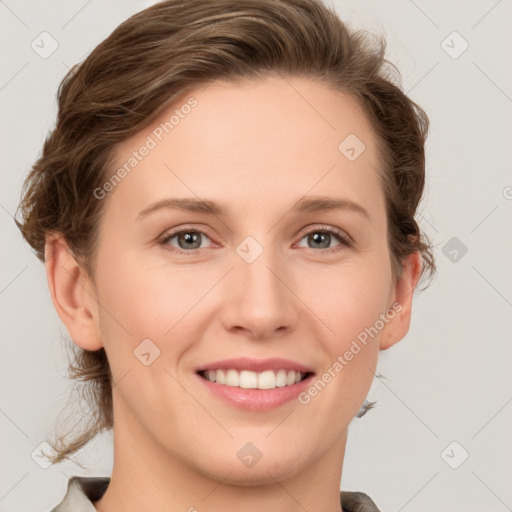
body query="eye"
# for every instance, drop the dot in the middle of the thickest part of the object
(187, 239)
(322, 237)
(190, 240)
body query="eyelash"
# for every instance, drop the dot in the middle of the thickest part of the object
(339, 235)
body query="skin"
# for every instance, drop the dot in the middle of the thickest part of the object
(255, 147)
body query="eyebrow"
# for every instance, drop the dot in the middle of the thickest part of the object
(304, 205)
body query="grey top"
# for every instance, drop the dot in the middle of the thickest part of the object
(82, 491)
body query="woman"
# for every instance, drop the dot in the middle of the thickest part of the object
(225, 209)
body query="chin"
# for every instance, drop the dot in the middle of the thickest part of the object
(240, 470)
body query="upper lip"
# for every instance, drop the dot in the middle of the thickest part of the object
(256, 365)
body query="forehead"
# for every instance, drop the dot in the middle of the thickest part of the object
(264, 139)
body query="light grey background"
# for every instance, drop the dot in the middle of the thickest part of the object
(448, 380)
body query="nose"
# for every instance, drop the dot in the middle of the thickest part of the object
(260, 300)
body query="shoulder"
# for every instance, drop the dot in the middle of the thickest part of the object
(81, 493)
(357, 502)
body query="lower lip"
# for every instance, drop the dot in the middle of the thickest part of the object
(257, 399)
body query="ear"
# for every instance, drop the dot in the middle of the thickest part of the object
(402, 296)
(73, 293)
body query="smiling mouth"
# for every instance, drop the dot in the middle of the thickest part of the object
(245, 379)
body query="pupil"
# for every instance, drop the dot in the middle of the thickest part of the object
(190, 238)
(323, 236)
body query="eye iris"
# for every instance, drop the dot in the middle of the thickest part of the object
(189, 237)
(319, 237)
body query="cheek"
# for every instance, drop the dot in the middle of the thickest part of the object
(139, 303)
(140, 298)
(350, 298)
(350, 307)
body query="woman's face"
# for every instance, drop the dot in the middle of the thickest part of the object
(257, 279)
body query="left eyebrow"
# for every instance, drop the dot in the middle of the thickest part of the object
(303, 205)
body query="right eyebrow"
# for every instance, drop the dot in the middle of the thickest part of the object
(187, 204)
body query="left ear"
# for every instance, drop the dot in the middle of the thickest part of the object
(398, 326)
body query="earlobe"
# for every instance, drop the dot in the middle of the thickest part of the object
(72, 294)
(398, 326)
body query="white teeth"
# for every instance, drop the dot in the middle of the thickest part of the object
(280, 378)
(252, 380)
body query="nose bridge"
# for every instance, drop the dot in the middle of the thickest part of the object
(260, 267)
(260, 300)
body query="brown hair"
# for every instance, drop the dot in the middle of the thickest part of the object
(173, 47)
